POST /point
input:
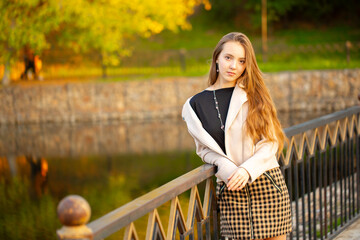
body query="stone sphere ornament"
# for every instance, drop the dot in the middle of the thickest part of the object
(73, 210)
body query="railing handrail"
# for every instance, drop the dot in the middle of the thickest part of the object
(137, 208)
(320, 121)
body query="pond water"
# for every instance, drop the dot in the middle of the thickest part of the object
(109, 164)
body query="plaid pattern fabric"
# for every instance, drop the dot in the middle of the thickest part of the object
(259, 210)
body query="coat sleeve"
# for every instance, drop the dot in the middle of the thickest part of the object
(225, 167)
(263, 159)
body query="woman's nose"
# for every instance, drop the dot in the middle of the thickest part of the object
(233, 65)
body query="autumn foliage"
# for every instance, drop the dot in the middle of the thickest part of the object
(85, 25)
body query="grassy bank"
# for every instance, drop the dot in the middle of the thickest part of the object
(188, 53)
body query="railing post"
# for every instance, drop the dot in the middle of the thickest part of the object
(74, 212)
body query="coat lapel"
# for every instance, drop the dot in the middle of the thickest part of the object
(238, 98)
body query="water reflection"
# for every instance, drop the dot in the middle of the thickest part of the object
(95, 139)
(109, 164)
(109, 138)
(39, 175)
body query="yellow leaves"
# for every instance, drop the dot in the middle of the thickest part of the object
(149, 27)
(92, 24)
(207, 5)
(110, 21)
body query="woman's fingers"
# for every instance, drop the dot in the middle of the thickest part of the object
(238, 179)
(242, 185)
(232, 180)
(237, 184)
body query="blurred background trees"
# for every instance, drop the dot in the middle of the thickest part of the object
(283, 13)
(83, 38)
(25, 23)
(83, 25)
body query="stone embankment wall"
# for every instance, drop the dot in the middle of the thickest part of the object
(79, 102)
(328, 90)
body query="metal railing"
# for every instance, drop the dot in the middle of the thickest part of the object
(320, 165)
(322, 174)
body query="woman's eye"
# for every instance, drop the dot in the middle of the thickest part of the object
(242, 61)
(227, 57)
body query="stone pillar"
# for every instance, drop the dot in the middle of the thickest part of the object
(74, 212)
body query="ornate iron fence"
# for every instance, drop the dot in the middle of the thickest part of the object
(320, 165)
(322, 174)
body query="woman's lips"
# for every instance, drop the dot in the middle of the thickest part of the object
(231, 73)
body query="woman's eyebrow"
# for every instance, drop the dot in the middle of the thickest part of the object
(233, 55)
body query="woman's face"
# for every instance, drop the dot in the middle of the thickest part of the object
(231, 62)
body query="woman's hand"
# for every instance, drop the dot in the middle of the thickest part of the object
(238, 179)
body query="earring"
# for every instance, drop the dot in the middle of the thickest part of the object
(217, 67)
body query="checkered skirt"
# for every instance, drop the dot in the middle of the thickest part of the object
(259, 210)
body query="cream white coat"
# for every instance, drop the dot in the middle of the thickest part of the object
(240, 150)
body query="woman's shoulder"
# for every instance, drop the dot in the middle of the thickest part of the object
(200, 97)
(196, 102)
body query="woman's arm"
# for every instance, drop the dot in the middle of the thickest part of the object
(203, 141)
(263, 159)
(225, 167)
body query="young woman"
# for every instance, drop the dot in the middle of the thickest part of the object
(235, 127)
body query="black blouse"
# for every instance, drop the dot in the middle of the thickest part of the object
(203, 104)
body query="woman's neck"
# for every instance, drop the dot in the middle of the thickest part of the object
(219, 85)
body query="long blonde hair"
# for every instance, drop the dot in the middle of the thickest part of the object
(262, 121)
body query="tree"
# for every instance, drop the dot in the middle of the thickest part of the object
(84, 25)
(25, 23)
(246, 14)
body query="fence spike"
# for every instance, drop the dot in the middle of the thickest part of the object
(155, 229)
(176, 219)
(195, 208)
(130, 232)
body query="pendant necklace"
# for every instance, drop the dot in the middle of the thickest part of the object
(218, 111)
